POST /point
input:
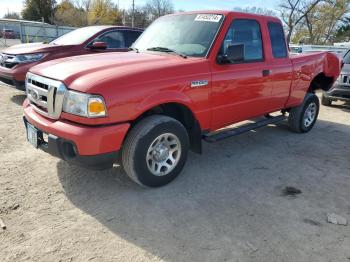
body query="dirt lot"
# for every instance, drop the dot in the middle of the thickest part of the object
(228, 205)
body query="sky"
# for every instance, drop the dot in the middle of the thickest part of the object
(16, 5)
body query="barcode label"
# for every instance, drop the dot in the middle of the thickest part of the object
(208, 18)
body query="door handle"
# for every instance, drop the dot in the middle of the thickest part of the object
(266, 72)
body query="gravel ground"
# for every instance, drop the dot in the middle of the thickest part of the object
(228, 205)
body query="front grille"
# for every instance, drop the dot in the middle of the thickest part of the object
(345, 79)
(45, 95)
(41, 85)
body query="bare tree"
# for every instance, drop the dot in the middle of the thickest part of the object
(293, 12)
(256, 10)
(82, 4)
(12, 15)
(324, 20)
(142, 16)
(158, 8)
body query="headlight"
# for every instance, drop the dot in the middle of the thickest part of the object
(85, 105)
(29, 58)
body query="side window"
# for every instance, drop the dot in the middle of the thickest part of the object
(114, 39)
(132, 37)
(248, 33)
(278, 42)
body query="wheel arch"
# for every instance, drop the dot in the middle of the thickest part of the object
(320, 82)
(180, 111)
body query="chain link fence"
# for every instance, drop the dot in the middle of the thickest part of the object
(20, 31)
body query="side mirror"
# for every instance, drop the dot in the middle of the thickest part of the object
(99, 45)
(234, 53)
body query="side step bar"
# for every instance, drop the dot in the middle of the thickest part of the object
(215, 137)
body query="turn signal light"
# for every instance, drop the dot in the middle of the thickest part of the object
(96, 107)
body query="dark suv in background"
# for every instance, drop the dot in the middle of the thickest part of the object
(15, 61)
(341, 88)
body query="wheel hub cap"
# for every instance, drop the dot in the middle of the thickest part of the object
(163, 154)
(160, 153)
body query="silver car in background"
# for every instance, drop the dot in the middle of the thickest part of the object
(341, 88)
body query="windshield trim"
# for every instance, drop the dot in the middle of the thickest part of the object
(347, 53)
(216, 36)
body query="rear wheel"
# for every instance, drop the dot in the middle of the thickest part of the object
(326, 101)
(303, 118)
(155, 151)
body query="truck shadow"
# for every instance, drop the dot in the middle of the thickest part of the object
(345, 107)
(224, 199)
(18, 99)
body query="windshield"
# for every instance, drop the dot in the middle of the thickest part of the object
(187, 34)
(346, 58)
(77, 36)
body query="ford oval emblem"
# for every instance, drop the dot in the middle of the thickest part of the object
(35, 94)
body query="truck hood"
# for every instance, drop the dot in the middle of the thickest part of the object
(84, 73)
(34, 48)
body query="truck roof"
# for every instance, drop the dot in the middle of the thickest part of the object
(229, 13)
(103, 27)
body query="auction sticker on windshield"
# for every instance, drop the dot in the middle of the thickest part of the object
(208, 18)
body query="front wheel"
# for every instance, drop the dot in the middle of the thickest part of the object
(303, 118)
(155, 151)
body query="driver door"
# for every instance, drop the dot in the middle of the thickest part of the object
(241, 90)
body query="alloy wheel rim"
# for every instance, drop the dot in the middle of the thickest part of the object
(310, 114)
(163, 154)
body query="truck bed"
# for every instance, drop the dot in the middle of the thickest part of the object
(307, 67)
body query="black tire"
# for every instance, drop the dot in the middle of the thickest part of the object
(297, 115)
(326, 101)
(138, 142)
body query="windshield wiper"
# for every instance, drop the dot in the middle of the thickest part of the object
(134, 49)
(166, 50)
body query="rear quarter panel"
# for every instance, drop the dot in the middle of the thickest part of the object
(306, 68)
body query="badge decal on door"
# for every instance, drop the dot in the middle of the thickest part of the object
(199, 83)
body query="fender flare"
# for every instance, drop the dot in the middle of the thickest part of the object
(164, 97)
(174, 97)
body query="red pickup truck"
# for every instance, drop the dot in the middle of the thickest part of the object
(189, 76)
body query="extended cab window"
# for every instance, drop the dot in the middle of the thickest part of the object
(278, 43)
(246, 32)
(114, 39)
